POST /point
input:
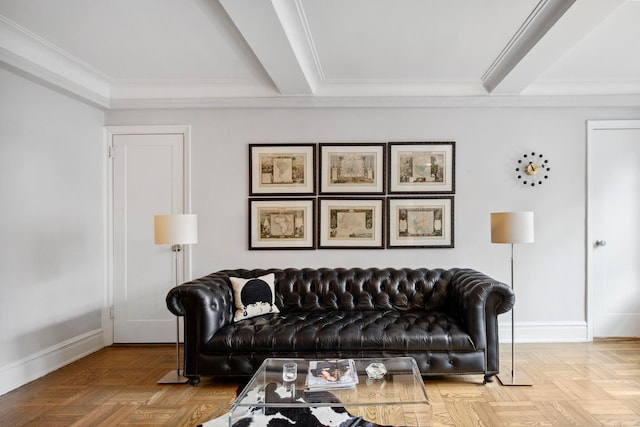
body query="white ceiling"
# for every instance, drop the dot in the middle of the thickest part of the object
(158, 53)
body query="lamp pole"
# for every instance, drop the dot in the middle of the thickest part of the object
(176, 252)
(513, 322)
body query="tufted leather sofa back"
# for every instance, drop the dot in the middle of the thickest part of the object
(356, 288)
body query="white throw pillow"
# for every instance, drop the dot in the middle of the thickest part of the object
(254, 297)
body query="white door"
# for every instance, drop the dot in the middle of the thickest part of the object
(614, 227)
(148, 179)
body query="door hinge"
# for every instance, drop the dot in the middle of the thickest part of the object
(111, 312)
(110, 153)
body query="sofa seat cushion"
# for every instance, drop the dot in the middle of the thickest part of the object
(316, 331)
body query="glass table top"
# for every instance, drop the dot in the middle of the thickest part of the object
(398, 398)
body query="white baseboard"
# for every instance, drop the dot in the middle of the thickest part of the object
(48, 360)
(534, 332)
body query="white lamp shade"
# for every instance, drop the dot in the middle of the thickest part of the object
(512, 227)
(181, 229)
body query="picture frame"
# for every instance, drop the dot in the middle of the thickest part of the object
(282, 169)
(353, 168)
(420, 222)
(421, 167)
(351, 223)
(282, 223)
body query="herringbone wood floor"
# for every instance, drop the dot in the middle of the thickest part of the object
(577, 384)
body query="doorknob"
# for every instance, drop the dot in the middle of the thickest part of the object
(601, 243)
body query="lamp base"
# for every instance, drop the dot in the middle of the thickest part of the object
(515, 378)
(173, 377)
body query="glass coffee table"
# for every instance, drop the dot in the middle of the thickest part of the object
(398, 398)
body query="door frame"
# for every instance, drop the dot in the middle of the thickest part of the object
(592, 127)
(108, 133)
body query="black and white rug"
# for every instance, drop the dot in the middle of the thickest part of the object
(321, 416)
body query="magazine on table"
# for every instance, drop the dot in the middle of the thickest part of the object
(331, 374)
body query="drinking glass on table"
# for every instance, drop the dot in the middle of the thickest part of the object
(289, 372)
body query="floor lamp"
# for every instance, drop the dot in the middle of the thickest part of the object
(512, 227)
(176, 230)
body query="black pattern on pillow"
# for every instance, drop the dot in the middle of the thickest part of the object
(254, 297)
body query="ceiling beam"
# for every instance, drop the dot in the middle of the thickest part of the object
(540, 20)
(273, 30)
(551, 29)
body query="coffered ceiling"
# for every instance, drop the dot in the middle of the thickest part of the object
(159, 53)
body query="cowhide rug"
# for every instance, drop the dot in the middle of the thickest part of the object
(321, 416)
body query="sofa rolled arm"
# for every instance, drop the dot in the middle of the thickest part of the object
(206, 305)
(476, 300)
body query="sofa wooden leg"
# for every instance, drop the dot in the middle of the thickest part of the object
(194, 381)
(488, 378)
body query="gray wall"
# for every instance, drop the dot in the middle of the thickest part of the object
(550, 273)
(51, 226)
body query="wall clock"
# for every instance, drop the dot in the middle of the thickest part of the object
(532, 169)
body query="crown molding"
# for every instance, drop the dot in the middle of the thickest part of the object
(352, 102)
(398, 88)
(583, 87)
(34, 56)
(188, 89)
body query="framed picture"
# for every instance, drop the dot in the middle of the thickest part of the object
(420, 222)
(282, 224)
(351, 223)
(285, 169)
(421, 167)
(352, 168)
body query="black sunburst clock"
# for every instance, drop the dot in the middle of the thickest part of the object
(533, 169)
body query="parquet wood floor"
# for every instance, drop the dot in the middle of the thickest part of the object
(575, 384)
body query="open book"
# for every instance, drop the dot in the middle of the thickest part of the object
(331, 374)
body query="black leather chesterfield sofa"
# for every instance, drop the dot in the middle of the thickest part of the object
(446, 319)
